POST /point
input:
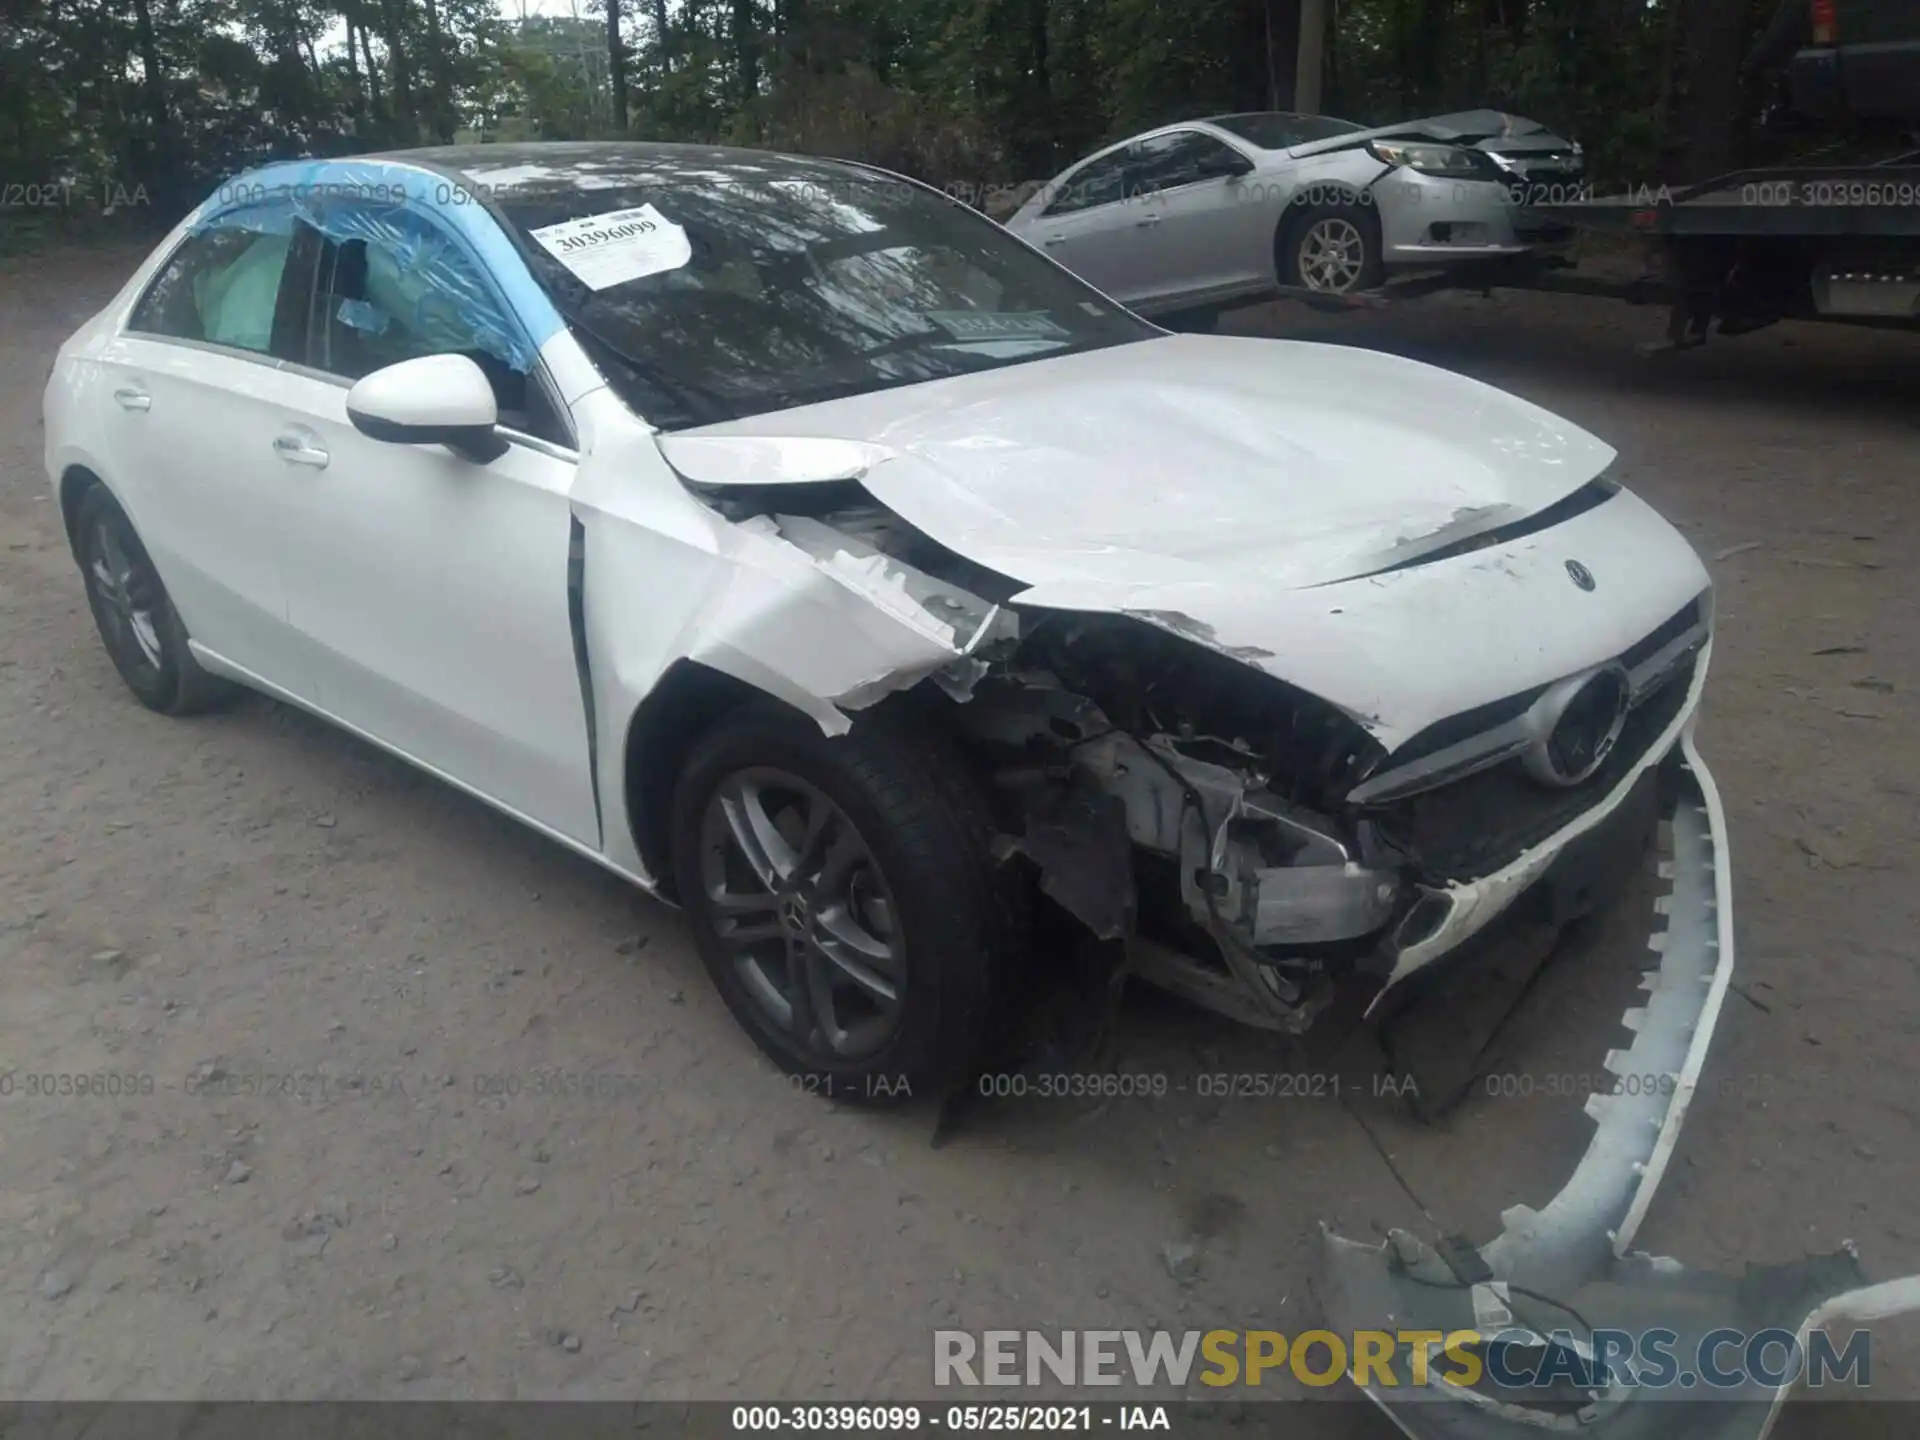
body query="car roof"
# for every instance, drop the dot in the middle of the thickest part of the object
(633, 157)
(1204, 123)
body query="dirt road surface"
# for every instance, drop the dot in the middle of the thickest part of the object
(524, 1152)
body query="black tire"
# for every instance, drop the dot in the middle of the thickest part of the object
(1317, 223)
(136, 619)
(926, 837)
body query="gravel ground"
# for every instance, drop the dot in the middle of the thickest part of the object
(253, 896)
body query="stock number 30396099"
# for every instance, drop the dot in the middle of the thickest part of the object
(894, 1419)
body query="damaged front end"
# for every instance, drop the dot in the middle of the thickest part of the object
(1176, 800)
(1248, 844)
(1117, 756)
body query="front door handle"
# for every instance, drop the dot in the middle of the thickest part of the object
(1149, 220)
(297, 448)
(131, 397)
(1052, 240)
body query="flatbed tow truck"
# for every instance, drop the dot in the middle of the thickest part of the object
(1837, 243)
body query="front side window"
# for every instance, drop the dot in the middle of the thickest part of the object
(390, 286)
(711, 287)
(221, 287)
(1100, 182)
(1185, 157)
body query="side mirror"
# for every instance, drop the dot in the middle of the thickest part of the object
(433, 400)
(1226, 167)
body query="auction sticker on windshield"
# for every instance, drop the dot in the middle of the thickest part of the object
(991, 325)
(621, 245)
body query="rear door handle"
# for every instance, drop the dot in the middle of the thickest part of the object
(296, 447)
(1150, 220)
(1052, 240)
(132, 397)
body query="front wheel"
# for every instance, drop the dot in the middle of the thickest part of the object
(1332, 249)
(844, 900)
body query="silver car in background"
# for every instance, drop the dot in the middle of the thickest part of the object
(1208, 213)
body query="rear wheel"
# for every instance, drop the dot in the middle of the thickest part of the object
(843, 899)
(137, 622)
(1332, 249)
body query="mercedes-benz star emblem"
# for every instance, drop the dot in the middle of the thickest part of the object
(1580, 575)
(1579, 722)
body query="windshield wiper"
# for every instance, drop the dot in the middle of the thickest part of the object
(699, 405)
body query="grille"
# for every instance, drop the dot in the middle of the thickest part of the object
(1476, 825)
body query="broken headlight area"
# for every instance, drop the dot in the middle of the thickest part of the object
(1180, 800)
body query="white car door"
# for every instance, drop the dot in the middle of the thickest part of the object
(190, 405)
(429, 592)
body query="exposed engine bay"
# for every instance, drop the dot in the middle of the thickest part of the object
(1172, 796)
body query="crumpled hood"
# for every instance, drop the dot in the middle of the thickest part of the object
(1185, 457)
(1487, 129)
(1233, 489)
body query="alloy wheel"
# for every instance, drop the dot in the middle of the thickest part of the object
(1332, 255)
(804, 913)
(125, 598)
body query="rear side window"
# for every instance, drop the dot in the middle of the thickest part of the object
(221, 287)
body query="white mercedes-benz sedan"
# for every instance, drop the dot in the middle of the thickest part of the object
(801, 546)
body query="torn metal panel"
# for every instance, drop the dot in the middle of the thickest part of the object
(1077, 840)
(942, 613)
(1570, 1265)
(823, 619)
(716, 460)
(1200, 633)
(838, 622)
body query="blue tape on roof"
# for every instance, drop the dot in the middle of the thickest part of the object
(436, 260)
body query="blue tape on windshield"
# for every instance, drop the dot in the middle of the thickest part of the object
(437, 260)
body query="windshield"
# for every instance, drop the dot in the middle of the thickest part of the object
(1278, 130)
(711, 285)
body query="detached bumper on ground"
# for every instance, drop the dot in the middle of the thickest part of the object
(1571, 1266)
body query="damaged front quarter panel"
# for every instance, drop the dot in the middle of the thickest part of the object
(1570, 1267)
(908, 627)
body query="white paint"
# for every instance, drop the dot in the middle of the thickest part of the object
(432, 390)
(616, 246)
